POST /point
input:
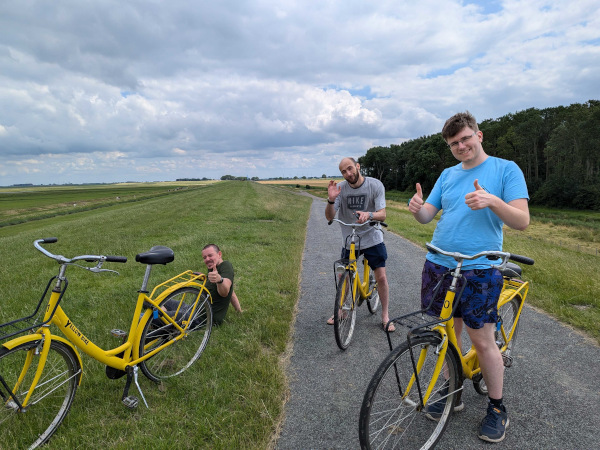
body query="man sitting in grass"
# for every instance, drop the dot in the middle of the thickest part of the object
(219, 283)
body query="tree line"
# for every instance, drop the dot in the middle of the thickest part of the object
(558, 150)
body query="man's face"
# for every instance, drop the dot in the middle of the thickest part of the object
(466, 145)
(350, 171)
(211, 257)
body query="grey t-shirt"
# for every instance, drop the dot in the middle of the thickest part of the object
(368, 197)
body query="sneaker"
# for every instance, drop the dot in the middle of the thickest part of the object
(435, 409)
(494, 424)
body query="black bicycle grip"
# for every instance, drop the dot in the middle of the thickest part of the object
(118, 259)
(521, 259)
(51, 240)
(330, 222)
(383, 224)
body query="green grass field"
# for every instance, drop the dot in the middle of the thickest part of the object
(233, 396)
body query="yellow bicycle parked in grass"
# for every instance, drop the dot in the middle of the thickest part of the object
(40, 371)
(350, 290)
(429, 367)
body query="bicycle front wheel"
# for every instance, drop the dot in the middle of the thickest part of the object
(392, 414)
(344, 312)
(50, 401)
(180, 355)
(373, 300)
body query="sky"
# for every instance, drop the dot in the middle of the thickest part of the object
(147, 90)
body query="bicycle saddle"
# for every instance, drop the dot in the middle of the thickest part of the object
(156, 255)
(512, 270)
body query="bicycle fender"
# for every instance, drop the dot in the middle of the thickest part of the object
(13, 343)
(451, 348)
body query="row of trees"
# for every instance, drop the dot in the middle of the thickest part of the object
(557, 148)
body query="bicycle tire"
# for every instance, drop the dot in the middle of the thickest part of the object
(508, 312)
(179, 356)
(373, 300)
(344, 312)
(50, 402)
(387, 419)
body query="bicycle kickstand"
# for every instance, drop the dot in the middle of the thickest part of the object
(129, 400)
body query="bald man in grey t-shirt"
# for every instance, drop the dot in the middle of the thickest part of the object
(362, 198)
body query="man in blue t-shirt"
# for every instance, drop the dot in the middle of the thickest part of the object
(477, 197)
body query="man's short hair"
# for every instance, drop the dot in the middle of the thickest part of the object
(215, 246)
(457, 123)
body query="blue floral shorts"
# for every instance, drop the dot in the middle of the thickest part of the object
(478, 304)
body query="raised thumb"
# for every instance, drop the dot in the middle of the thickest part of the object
(477, 187)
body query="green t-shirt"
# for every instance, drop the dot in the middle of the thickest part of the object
(220, 304)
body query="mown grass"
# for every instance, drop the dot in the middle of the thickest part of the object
(24, 204)
(233, 396)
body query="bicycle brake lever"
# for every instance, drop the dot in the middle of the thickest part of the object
(96, 269)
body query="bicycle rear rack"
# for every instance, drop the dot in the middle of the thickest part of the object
(184, 277)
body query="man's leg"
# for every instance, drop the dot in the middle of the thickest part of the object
(493, 426)
(490, 358)
(384, 294)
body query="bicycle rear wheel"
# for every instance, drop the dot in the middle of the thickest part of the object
(508, 314)
(391, 415)
(373, 300)
(50, 401)
(344, 312)
(180, 355)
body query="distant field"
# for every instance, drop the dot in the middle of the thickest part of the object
(23, 204)
(320, 182)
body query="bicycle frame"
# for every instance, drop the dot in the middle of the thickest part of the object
(54, 314)
(130, 351)
(444, 327)
(351, 264)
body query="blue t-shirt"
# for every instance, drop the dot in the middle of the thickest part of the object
(463, 230)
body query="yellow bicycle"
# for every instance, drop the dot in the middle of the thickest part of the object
(429, 367)
(40, 371)
(350, 290)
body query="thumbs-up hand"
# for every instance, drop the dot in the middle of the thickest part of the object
(213, 275)
(479, 198)
(416, 202)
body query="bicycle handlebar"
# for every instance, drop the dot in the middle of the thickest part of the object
(356, 224)
(64, 260)
(490, 254)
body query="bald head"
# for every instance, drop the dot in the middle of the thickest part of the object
(350, 170)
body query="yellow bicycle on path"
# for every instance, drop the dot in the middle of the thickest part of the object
(428, 369)
(40, 371)
(350, 290)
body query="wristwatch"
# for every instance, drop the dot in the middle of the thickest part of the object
(370, 216)
(221, 280)
(330, 202)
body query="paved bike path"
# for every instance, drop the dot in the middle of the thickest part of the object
(552, 391)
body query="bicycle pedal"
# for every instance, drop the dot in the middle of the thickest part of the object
(507, 360)
(131, 402)
(118, 333)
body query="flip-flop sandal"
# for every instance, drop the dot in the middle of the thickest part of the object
(390, 329)
(330, 321)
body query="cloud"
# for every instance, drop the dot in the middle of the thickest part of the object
(116, 91)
